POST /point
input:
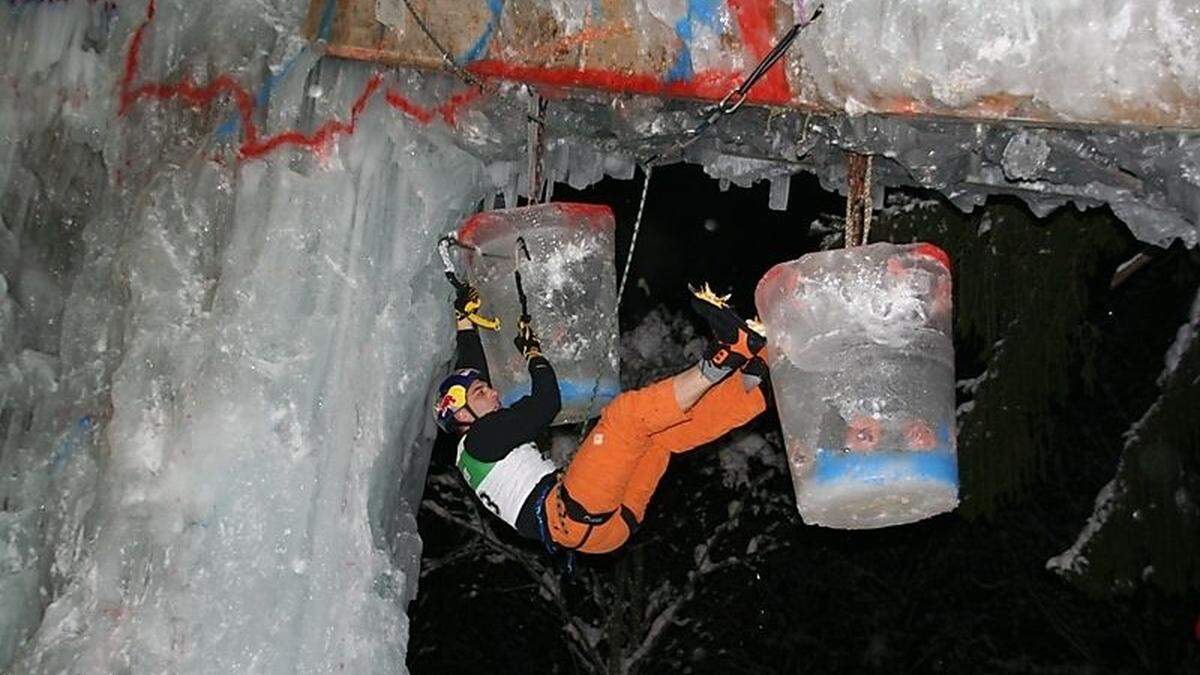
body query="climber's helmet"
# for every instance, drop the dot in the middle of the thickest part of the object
(464, 390)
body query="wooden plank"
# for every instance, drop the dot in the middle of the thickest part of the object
(625, 46)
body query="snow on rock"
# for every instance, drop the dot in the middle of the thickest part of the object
(1074, 560)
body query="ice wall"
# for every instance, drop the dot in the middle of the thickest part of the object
(220, 322)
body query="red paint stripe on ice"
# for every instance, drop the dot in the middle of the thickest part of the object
(397, 101)
(252, 147)
(319, 139)
(449, 109)
(132, 59)
(708, 84)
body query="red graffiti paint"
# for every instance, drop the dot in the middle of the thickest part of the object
(756, 19)
(132, 58)
(319, 139)
(225, 85)
(708, 85)
(407, 107)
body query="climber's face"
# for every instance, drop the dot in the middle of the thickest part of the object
(482, 398)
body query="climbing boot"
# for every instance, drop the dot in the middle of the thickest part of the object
(734, 334)
(756, 374)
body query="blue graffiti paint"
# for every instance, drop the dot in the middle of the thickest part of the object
(325, 28)
(230, 126)
(835, 466)
(572, 393)
(477, 50)
(75, 438)
(682, 68)
(703, 12)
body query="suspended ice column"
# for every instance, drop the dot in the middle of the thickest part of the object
(570, 282)
(862, 365)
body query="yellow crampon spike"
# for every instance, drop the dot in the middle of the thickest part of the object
(756, 326)
(707, 294)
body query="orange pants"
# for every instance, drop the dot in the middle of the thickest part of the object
(619, 465)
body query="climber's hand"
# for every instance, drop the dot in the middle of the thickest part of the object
(527, 341)
(466, 301)
(466, 309)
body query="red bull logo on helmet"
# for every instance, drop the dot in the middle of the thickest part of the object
(454, 399)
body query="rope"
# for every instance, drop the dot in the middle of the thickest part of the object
(728, 105)
(868, 206)
(858, 199)
(536, 149)
(637, 226)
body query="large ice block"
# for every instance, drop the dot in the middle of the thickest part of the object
(862, 364)
(570, 282)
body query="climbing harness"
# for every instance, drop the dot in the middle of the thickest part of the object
(553, 549)
(448, 267)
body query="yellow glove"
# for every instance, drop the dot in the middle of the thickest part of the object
(466, 306)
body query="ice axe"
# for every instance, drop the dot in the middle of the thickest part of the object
(448, 266)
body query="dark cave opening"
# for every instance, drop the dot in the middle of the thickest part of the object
(959, 592)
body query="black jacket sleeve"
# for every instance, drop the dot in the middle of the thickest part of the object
(469, 352)
(495, 434)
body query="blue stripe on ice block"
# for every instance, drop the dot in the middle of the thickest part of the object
(572, 392)
(832, 466)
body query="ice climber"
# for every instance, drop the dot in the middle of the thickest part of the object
(597, 502)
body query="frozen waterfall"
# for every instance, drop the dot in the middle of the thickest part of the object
(213, 369)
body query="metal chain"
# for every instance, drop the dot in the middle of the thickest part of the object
(463, 74)
(536, 146)
(737, 96)
(445, 53)
(859, 207)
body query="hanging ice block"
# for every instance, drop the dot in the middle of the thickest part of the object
(862, 364)
(571, 286)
